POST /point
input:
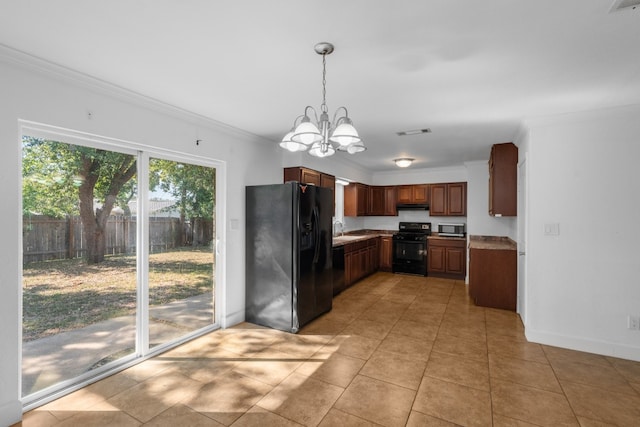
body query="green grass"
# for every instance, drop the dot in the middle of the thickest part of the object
(64, 295)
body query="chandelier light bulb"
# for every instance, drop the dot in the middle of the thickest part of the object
(319, 149)
(345, 135)
(306, 133)
(290, 145)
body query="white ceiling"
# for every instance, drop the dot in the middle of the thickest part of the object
(470, 70)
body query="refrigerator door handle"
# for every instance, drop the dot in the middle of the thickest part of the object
(316, 232)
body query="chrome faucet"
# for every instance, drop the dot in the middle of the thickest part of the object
(335, 232)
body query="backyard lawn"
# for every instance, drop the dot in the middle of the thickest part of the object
(63, 295)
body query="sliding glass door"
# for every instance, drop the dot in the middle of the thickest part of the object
(181, 218)
(79, 260)
(118, 253)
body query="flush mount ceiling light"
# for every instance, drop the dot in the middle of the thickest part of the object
(320, 137)
(404, 162)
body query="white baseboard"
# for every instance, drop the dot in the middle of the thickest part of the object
(603, 348)
(234, 319)
(11, 413)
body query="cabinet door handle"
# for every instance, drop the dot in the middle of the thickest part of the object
(522, 253)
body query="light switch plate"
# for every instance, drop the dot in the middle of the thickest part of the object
(552, 229)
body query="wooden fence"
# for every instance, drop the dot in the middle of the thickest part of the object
(45, 238)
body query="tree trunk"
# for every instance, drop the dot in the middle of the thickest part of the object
(196, 230)
(183, 231)
(94, 222)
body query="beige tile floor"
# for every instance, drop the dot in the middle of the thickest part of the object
(395, 350)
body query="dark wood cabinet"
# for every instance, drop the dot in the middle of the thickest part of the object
(356, 199)
(421, 193)
(503, 180)
(413, 194)
(310, 176)
(303, 175)
(457, 199)
(438, 203)
(448, 199)
(404, 193)
(386, 253)
(328, 181)
(360, 260)
(493, 277)
(390, 201)
(382, 201)
(373, 249)
(376, 201)
(447, 258)
(348, 268)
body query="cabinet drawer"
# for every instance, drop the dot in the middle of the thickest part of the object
(447, 243)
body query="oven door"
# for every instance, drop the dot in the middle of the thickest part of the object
(410, 256)
(407, 250)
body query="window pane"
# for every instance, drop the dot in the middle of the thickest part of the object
(79, 261)
(181, 249)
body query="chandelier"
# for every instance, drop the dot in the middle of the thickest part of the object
(321, 137)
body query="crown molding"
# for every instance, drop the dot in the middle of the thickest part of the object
(49, 69)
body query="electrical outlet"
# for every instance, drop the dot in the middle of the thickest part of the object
(633, 323)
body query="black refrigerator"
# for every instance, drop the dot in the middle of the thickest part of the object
(288, 254)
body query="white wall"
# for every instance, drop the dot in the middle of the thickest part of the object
(582, 284)
(36, 91)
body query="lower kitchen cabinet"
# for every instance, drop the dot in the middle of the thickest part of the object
(386, 253)
(447, 258)
(493, 276)
(360, 260)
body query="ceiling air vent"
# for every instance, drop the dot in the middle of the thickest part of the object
(416, 131)
(619, 5)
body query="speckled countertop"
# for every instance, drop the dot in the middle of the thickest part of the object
(492, 242)
(360, 235)
(435, 236)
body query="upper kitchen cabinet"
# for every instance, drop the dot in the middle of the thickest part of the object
(390, 201)
(356, 199)
(448, 199)
(310, 176)
(376, 201)
(412, 194)
(328, 181)
(382, 201)
(303, 175)
(503, 180)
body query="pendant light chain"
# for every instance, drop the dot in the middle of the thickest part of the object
(323, 107)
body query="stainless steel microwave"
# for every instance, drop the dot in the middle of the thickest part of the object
(452, 230)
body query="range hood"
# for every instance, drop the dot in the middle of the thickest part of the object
(413, 206)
